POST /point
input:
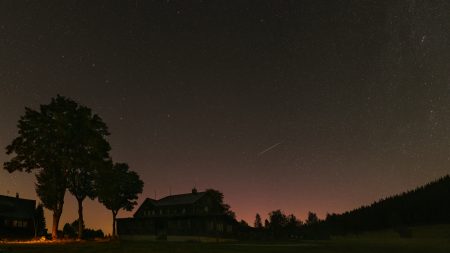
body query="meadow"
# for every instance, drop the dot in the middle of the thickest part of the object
(430, 239)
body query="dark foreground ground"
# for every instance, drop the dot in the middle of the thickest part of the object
(434, 239)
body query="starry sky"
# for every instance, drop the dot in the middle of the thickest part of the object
(296, 105)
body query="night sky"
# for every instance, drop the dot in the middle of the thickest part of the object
(292, 105)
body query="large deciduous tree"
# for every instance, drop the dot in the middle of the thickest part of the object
(118, 188)
(91, 155)
(65, 141)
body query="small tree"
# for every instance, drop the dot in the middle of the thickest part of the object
(258, 223)
(293, 225)
(39, 221)
(118, 188)
(277, 221)
(69, 231)
(312, 219)
(266, 224)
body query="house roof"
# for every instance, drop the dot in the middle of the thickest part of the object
(173, 200)
(180, 199)
(13, 207)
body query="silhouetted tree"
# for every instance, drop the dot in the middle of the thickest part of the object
(277, 218)
(62, 139)
(258, 223)
(266, 224)
(69, 231)
(118, 188)
(312, 219)
(219, 206)
(277, 223)
(39, 221)
(92, 234)
(51, 188)
(293, 225)
(76, 224)
(91, 156)
(81, 185)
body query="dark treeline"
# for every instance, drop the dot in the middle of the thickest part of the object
(428, 204)
(280, 226)
(425, 205)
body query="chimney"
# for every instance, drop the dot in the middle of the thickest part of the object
(194, 190)
(17, 195)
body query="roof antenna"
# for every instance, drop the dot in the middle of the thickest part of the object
(195, 187)
(155, 194)
(170, 191)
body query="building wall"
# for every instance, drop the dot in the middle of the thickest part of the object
(164, 226)
(14, 227)
(179, 210)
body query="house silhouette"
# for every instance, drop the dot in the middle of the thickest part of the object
(190, 216)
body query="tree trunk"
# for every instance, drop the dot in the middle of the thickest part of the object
(80, 218)
(114, 224)
(56, 217)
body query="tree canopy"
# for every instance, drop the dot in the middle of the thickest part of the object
(66, 141)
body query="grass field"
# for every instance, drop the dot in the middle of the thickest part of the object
(434, 239)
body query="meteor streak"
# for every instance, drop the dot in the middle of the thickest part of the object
(269, 148)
